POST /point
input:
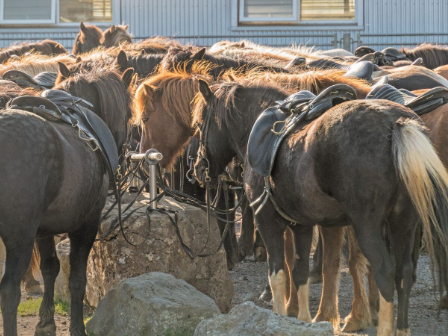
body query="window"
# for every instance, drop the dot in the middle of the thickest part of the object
(287, 12)
(55, 11)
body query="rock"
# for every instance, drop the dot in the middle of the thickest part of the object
(159, 250)
(61, 288)
(151, 304)
(247, 319)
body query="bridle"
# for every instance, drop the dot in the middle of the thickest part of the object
(202, 151)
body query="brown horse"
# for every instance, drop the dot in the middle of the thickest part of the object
(388, 192)
(88, 38)
(46, 47)
(433, 55)
(442, 71)
(34, 64)
(116, 35)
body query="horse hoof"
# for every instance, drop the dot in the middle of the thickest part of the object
(315, 278)
(33, 288)
(352, 324)
(47, 330)
(292, 310)
(266, 296)
(333, 320)
(444, 302)
(260, 254)
(404, 332)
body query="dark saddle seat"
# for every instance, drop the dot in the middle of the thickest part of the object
(278, 121)
(363, 50)
(60, 106)
(422, 104)
(362, 70)
(42, 81)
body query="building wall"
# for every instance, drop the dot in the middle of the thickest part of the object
(205, 22)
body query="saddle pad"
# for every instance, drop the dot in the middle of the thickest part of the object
(276, 122)
(422, 104)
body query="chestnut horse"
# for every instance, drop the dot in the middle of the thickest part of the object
(88, 38)
(46, 47)
(395, 164)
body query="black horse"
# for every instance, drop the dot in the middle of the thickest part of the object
(363, 163)
(54, 183)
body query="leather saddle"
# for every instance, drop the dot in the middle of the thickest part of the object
(60, 106)
(427, 102)
(362, 70)
(364, 50)
(42, 81)
(278, 121)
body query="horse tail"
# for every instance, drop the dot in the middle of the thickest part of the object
(35, 260)
(426, 181)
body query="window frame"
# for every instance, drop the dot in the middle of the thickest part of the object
(27, 22)
(242, 23)
(55, 17)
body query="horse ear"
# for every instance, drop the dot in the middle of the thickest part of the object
(143, 52)
(126, 27)
(205, 91)
(122, 60)
(126, 77)
(78, 60)
(112, 28)
(82, 27)
(243, 45)
(63, 70)
(199, 55)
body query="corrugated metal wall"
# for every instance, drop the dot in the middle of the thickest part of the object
(205, 22)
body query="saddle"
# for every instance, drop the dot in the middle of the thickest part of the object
(42, 81)
(60, 106)
(422, 104)
(362, 70)
(278, 121)
(394, 54)
(362, 51)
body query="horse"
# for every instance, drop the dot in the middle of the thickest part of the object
(442, 71)
(46, 47)
(67, 187)
(89, 37)
(143, 64)
(163, 100)
(34, 64)
(433, 55)
(387, 186)
(186, 58)
(116, 35)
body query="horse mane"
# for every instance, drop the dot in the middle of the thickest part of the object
(179, 88)
(433, 55)
(114, 97)
(10, 90)
(228, 94)
(34, 64)
(46, 47)
(116, 35)
(145, 64)
(314, 81)
(153, 45)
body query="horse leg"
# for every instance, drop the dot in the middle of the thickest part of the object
(360, 316)
(303, 236)
(368, 231)
(374, 296)
(292, 307)
(230, 241)
(259, 248)
(49, 266)
(246, 241)
(332, 242)
(316, 271)
(18, 253)
(81, 243)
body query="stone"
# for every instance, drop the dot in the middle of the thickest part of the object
(151, 304)
(159, 250)
(247, 319)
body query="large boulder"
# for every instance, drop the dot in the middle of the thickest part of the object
(247, 319)
(151, 304)
(159, 250)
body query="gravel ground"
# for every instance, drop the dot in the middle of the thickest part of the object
(250, 278)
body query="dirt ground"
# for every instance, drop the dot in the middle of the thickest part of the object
(250, 278)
